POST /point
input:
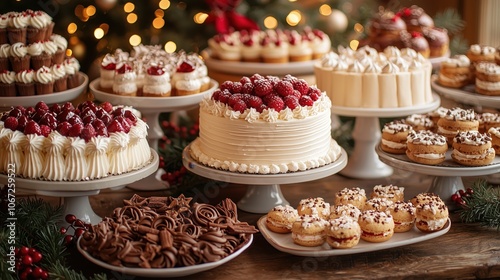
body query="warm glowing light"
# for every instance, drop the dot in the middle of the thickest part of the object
(72, 27)
(131, 18)
(102, 44)
(358, 27)
(270, 22)
(170, 47)
(294, 17)
(200, 18)
(90, 10)
(325, 10)
(135, 40)
(69, 52)
(158, 23)
(129, 7)
(73, 40)
(292, 0)
(104, 27)
(98, 33)
(79, 10)
(159, 13)
(354, 44)
(164, 4)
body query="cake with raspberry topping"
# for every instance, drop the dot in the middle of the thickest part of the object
(265, 125)
(64, 143)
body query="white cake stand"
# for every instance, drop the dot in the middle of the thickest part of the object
(263, 191)
(150, 108)
(56, 97)
(76, 194)
(364, 162)
(448, 175)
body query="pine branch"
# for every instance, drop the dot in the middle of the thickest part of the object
(483, 206)
(61, 272)
(451, 20)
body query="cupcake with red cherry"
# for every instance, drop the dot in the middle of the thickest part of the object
(185, 79)
(157, 81)
(124, 80)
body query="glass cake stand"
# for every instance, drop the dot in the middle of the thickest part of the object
(76, 194)
(56, 97)
(264, 190)
(150, 108)
(364, 162)
(448, 175)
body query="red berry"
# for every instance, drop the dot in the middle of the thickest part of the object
(56, 108)
(36, 257)
(305, 100)
(37, 272)
(239, 106)
(32, 128)
(284, 88)
(41, 105)
(115, 126)
(247, 88)
(88, 132)
(314, 93)
(237, 87)
(155, 70)
(68, 239)
(256, 77)
(120, 111)
(45, 275)
(227, 85)
(79, 231)
(234, 98)
(300, 85)
(469, 191)
(254, 101)
(63, 230)
(275, 102)
(124, 68)
(107, 107)
(185, 67)
(291, 101)
(68, 106)
(11, 123)
(130, 116)
(262, 87)
(15, 113)
(75, 119)
(70, 218)
(45, 130)
(27, 260)
(64, 128)
(49, 120)
(125, 124)
(461, 192)
(245, 80)
(65, 115)
(24, 251)
(75, 130)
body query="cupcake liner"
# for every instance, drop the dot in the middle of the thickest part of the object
(4, 64)
(50, 29)
(58, 57)
(39, 61)
(7, 89)
(25, 89)
(42, 89)
(35, 35)
(3, 36)
(61, 85)
(16, 35)
(73, 81)
(20, 63)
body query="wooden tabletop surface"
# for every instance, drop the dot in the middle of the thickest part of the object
(466, 251)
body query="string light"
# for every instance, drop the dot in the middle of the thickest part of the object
(200, 18)
(354, 44)
(358, 28)
(159, 13)
(129, 7)
(325, 10)
(90, 11)
(135, 40)
(294, 17)
(158, 23)
(72, 27)
(270, 22)
(131, 18)
(98, 33)
(170, 47)
(164, 4)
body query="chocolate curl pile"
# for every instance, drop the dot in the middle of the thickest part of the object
(165, 232)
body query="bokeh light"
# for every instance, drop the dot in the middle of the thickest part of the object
(294, 17)
(131, 18)
(72, 27)
(270, 22)
(325, 10)
(170, 47)
(129, 7)
(358, 28)
(200, 18)
(354, 44)
(158, 23)
(135, 40)
(164, 4)
(98, 33)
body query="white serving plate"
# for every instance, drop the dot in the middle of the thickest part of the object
(250, 68)
(284, 242)
(165, 272)
(466, 95)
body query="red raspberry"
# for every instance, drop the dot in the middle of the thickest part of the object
(45, 130)
(75, 130)
(216, 94)
(125, 124)
(41, 105)
(11, 123)
(254, 101)
(262, 107)
(88, 132)
(49, 120)
(68, 106)
(21, 123)
(16, 113)
(284, 88)
(107, 107)
(240, 106)
(300, 85)
(305, 100)
(32, 128)
(224, 96)
(256, 77)
(289, 78)
(234, 98)
(314, 93)
(296, 93)
(227, 85)
(263, 87)
(247, 88)
(63, 128)
(291, 101)
(245, 80)
(275, 102)
(56, 108)
(115, 126)
(273, 79)
(237, 86)
(129, 116)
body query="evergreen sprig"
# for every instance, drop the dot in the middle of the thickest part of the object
(483, 206)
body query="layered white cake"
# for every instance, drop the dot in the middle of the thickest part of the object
(368, 79)
(268, 139)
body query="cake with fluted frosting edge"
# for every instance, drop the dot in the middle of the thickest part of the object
(64, 143)
(270, 128)
(366, 78)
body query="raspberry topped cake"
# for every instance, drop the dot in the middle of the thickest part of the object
(265, 125)
(64, 143)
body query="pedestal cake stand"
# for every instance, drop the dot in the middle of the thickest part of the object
(364, 162)
(150, 108)
(264, 190)
(448, 175)
(56, 97)
(76, 194)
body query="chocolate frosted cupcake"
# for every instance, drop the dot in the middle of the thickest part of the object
(44, 81)
(7, 85)
(17, 27)
(39, 57)
(19, 57)
(4, 57)
(25, 83)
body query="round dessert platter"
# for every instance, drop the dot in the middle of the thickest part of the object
(165, 272)
(56, 97)
(250, 68)
(150, 108)
(76, 194)
(284, 242)
(263, 192)
(448, 174)
(364, 162)
(436, 61)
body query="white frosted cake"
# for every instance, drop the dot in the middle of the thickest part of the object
(265, 126)
(368, 79)
(64, 143)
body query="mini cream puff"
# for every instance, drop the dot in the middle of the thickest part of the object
(309, 231)
(376, 226)
(431, 216)
(403, 214)
(394, 135)
(343, 233)
(281, 218)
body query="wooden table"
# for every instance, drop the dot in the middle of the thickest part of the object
(466, 251)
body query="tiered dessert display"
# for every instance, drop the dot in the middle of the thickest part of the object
(368, 84)
(69, 152)
(265, 131)
(153, 81)
(33, 62)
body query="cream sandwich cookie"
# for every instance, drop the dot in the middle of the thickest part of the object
(394, 136)
(403, 214)
(472, 148)
(343, 232)
(309, 230)
(281, 218)
(426, 147)
(391, 192)
(376, 226)
(431, 216)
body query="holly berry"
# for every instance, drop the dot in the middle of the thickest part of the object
(70, 218)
